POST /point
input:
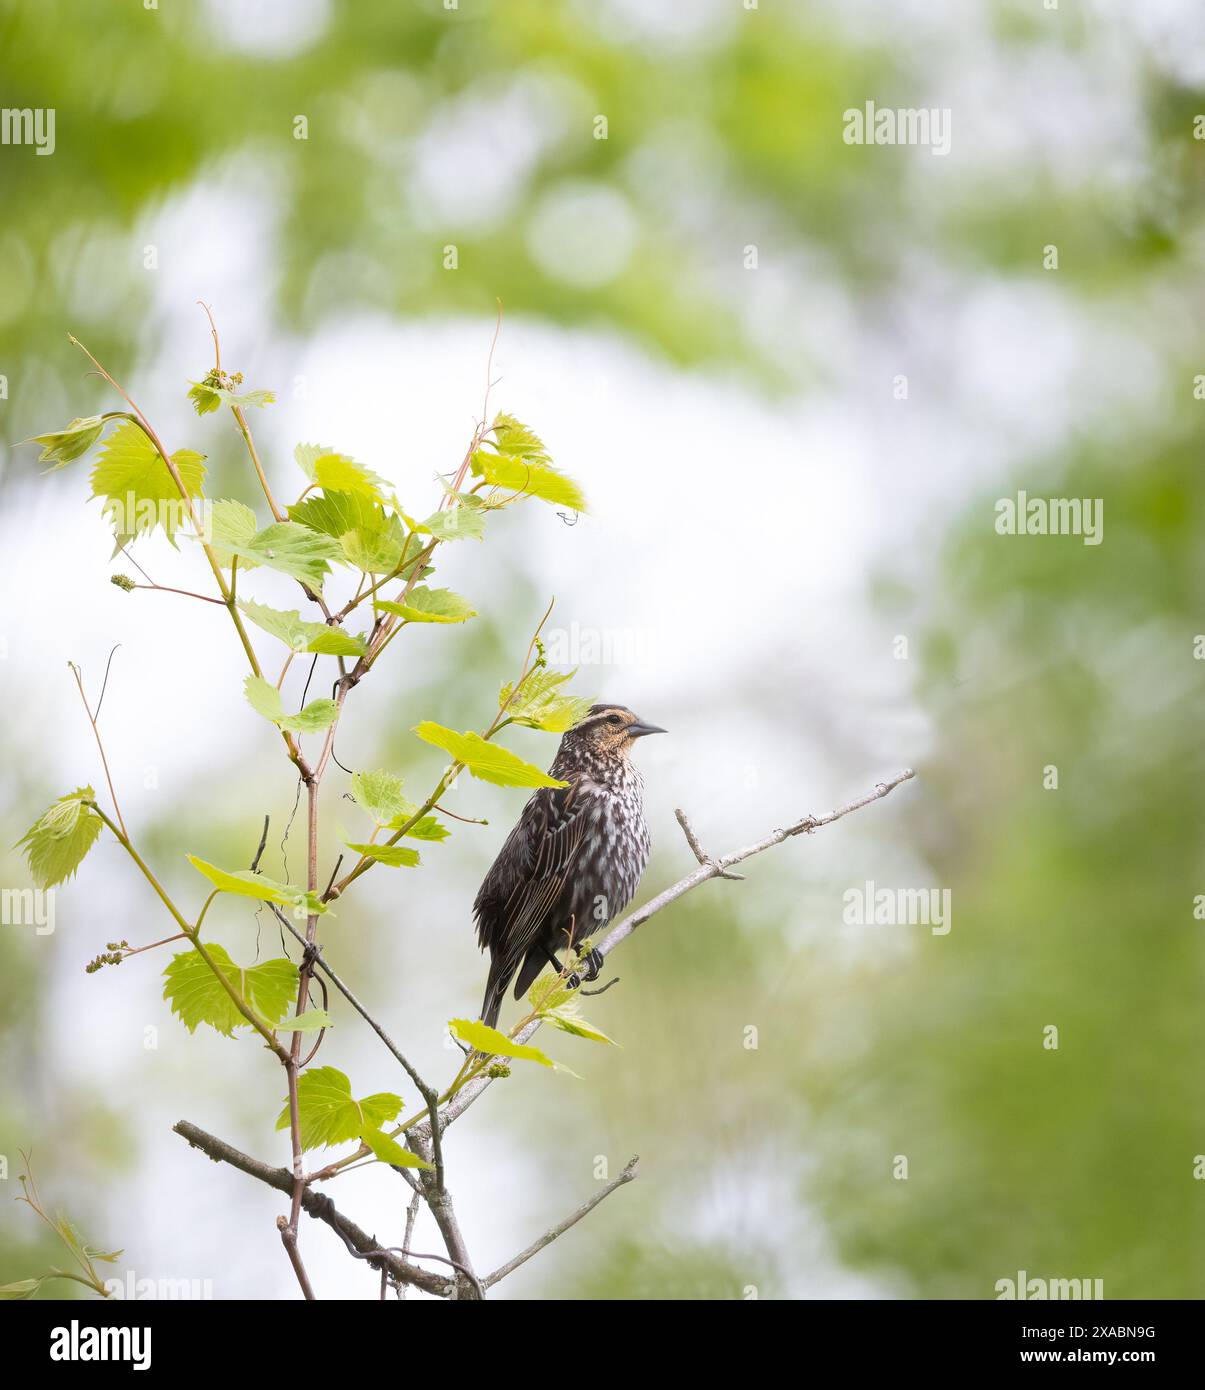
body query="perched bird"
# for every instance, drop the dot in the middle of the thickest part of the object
(572, 862)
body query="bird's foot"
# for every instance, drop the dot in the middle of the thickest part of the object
(594, 965)
(574, 980)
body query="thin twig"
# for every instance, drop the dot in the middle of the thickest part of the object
(411, 1217)
(467, 1094)
(693, 841)
(92, 718)
(630, 1171)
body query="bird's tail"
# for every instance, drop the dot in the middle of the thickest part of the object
(495, 992)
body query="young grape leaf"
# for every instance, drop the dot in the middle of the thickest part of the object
(338, 473)
(337, 513)
(207, 396)
(233, 524)
(62, 446)
(309, 1022)
(301, 636)
(518, 475)
(135, 484)
(392, 856)
(522, 464)
(375, 551)
(246, 884)
(390, 1151)
(380, 794)
(539, 703)
(548, 992)
(286, 546)
(491, 1043)
(264, 698)
(487, 761)
(306, 456)
(196, 995)
(425, 828)
(368, 537)
(566, 1017)
(328, 1113)
(22, 1289)
(56, 843)
(425, 605)
(463, 522)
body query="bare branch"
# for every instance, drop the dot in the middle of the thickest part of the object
(629, 1172)
(319, 1206)
(468, 1093)
(693, 841)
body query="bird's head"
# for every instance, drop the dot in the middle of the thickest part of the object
(609, 731)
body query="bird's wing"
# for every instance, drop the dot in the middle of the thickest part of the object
(529, 875)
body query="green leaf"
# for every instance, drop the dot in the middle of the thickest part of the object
(540, 704)
(522, 464)
(425, 828)
(392, 856)
(294, 550)
(512, 437)
(22, 1289)
(390, 1151)
(368, 537)
(246, 884)
(56, 843)
(568, 1020)
(207, 396)
(374, 551)
(491, 1043)
(204, 398)
(488, 761)
(534, 480)
(548, 992)
(309, 1022)
(196, 995)
(62, 446)
(264, 698)
(134, 482)
(463, 522)
(338, 513)
(425, 605)
(329, 1114)
(306, 456)
(233, 525)
(301, 636)
(338, 473)
(380, 794)
(286, 546)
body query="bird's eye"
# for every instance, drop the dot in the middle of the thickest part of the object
(615, 719)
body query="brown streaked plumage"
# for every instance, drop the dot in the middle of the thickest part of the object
(574, 859)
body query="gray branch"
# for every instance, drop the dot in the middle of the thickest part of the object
(629, 1172)
(319, 1206)
(708, 868)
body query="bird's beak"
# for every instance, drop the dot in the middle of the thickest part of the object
(638, 730)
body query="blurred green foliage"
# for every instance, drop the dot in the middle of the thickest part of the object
(1072, 907)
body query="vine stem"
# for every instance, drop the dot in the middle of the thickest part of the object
(225, 590)
(193, 933)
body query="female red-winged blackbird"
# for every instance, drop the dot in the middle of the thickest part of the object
(572, 862)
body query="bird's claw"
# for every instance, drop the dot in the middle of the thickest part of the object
(573, 981)
(594, 965)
